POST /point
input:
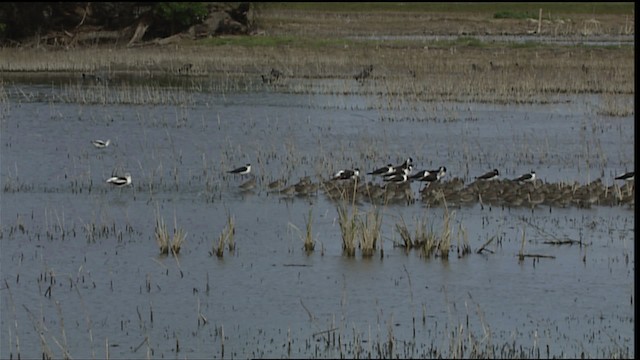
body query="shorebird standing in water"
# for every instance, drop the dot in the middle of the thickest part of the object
(120, 181)
(100, 144)
(242, 170)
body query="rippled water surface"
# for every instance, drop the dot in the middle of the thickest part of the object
(82, 274)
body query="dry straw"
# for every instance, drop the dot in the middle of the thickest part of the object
(226, 236)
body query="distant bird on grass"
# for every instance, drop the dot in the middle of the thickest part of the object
(346, 174)
(397, 178)
(383, 171)
(364, 74)
(405, 164)
(526, 177)
(430, 175)
(491, 175)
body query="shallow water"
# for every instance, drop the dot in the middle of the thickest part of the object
(81, 266)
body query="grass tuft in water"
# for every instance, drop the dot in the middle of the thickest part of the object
(164, 240)
(226, 236)
(162, 235)
(348, 227)
(370, 232)
(309, 243)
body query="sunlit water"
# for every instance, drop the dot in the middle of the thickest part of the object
(81, 270)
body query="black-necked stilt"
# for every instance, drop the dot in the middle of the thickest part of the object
(383, 171)
(442, 171)
(419, 175)
(101, 143)
(242, 170)
(346, 174)
(431, 175)
(397, 178)
(626, 176)
(400, 170)
(526, 177)
(120, 181)
(491, 175)
(404, 165)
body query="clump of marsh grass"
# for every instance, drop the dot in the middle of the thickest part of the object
(428, 241)
(464, 248)
(370, 232)
(226, 236)
(307, 236)
(162, 235)
(348, 227)
(309, 243)
(423, 238)
(164, 240)
(444, 245)
(179, 235)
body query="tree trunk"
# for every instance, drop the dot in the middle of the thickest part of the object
(141, 29)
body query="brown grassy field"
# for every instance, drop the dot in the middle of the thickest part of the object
(310, 42)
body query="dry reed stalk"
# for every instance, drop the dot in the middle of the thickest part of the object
(370, 232)
(162, 235)
(521, 252)
(405, 235)
(178, 238)
(423, 239)
(309, 243)
(226, 236)
(348, 228)
(464, 248)
(444, 244)
(231, 229)
(426, 239)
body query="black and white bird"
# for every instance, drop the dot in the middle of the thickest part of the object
(526, 177)
(404, 165)
(627, 176)
(397, 178)
(346, 174)
(383, 171)
(491, 175)
(242, 170)
(400, 171)
(101, 143)
(419, 175)
(120, 181)
(430, 175)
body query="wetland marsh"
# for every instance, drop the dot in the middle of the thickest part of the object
(83, 276)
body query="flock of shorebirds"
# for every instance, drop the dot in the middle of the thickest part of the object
(488, 188)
